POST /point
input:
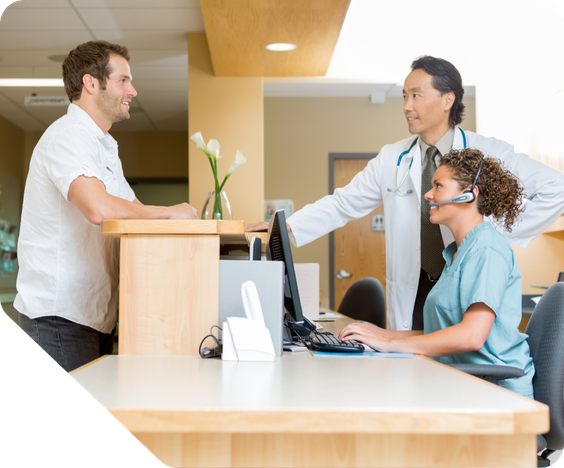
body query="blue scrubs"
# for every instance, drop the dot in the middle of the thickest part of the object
(484, 270)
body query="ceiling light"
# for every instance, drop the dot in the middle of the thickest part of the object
(59, 58)
(281, 46)
(32, 82)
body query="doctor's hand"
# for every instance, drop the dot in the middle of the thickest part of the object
(366, 333)
(257, 227)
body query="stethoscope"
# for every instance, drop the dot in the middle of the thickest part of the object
(398, 186)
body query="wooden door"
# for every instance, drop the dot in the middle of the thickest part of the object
(356, 248)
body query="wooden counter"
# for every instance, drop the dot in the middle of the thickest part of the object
(169, 282)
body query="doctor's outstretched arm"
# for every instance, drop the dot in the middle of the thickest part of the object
(362, 195)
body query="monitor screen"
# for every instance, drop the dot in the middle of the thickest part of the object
(278, 249)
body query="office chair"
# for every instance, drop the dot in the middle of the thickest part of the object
(365, 301)
(546, 341)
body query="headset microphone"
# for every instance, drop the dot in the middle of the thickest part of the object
(467, 196)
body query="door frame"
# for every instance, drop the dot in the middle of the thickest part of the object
(332, 158)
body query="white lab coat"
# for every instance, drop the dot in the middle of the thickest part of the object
(544, 190)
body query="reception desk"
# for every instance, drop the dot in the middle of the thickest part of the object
(169, 281)
(310, 411)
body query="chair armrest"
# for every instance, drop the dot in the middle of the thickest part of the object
(491, 373)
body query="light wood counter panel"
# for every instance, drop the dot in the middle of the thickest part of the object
(169, 282)
(116, 228)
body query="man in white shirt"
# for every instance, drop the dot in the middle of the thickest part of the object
(68, 278)
(400, 176)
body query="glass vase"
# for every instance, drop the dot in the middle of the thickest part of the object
(216, 206)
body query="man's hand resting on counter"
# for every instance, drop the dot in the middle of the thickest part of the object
(182, 211)
(262, 227)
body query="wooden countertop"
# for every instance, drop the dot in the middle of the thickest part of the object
(118, 227)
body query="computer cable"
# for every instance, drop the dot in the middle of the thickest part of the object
(207, 353)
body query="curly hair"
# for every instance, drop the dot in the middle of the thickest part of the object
(90, 58)
(500, 192)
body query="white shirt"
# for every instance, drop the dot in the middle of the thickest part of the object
(66, 267)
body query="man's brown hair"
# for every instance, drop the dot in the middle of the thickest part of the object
(90, 58)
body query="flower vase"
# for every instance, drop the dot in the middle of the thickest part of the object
(216, 206)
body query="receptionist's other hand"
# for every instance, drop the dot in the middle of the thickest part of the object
(366, 333)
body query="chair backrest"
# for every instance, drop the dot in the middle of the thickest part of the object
(546, 341)
(365, 301)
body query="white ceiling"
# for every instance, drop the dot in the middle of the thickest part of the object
(513, 45)
(33, 30)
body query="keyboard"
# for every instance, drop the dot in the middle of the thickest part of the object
(327, 342)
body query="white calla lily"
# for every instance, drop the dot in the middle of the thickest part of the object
(212, 152)
(213, 148)
(199, 140)
(239, 159)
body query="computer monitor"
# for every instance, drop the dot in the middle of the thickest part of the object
(278, 249)
(561, 277)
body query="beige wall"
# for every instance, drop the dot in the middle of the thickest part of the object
(153, 154)
(231, 111)
(143, 154)
(541, 261)
(301, 132)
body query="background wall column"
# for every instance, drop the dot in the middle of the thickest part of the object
(231, 111)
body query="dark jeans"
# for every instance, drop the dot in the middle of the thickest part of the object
(70, 344)
(423, 290)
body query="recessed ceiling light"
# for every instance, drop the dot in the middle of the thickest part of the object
(32, 82)
(281, 46)
(60, 58)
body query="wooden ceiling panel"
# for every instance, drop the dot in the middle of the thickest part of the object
(238, 31)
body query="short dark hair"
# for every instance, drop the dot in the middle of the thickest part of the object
(90, 58)
(446, 79)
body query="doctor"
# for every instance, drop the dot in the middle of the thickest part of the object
(402, 173)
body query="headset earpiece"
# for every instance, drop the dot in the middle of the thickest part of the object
(473, 196)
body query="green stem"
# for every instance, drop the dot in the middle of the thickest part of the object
(223, 183)
(217, 208)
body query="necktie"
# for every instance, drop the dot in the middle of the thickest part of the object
(432, 245)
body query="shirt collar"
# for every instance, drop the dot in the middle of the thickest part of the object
(451, 249)
(85, 119)
(444, 145)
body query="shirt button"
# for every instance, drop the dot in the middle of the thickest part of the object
(411, 286)
(418, 247)
(405, 324)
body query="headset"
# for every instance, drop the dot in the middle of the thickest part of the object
(467, 196)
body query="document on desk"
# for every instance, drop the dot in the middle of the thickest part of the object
(366, 354)
(307, 276)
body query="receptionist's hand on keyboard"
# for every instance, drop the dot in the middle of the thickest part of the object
(366, 333)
